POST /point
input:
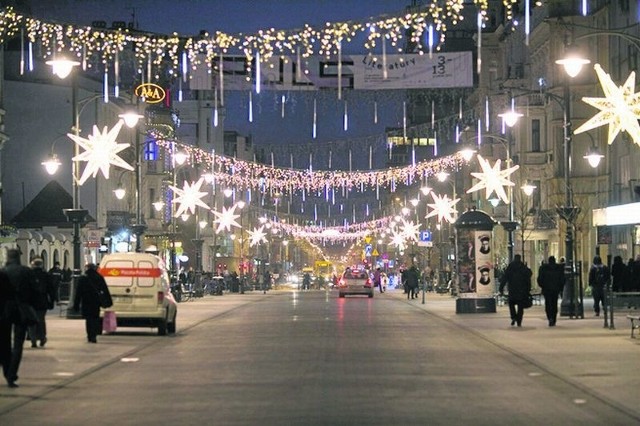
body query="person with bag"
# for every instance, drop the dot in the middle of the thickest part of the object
(517, 277)
(599, 277)
(551, 281)
(21, 312)
(44, 298)
(91, 295)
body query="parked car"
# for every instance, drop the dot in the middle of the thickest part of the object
(140, 289)
(355, 282)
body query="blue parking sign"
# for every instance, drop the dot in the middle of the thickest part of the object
(425, 235)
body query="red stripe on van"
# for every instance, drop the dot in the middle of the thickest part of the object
(130, 272)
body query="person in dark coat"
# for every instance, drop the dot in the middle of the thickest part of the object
(44, 298)
(517, 277)
(56, 279)
(599, 278)
(413, 282)
(87, 300)
(7, 296)
(619, 275)
(551, 281)
(23, 283)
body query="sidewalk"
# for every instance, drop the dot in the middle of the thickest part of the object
(601, 361)
(67, 355)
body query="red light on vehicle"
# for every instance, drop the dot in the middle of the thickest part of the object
(368, 283)
(341, 283)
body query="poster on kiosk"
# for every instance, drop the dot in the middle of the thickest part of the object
(477, 274)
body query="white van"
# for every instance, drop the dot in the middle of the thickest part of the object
(141, 291)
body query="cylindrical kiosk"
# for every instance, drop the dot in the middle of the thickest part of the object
(475, 265)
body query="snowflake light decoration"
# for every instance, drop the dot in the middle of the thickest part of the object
(410, 230)
(443, 207)
(226, 219)
(620, 108)
(189, 197)
(100, 151)
(397, 239)
(257, 236)
(493, 179)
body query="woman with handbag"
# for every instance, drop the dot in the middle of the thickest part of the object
(21, 310)
(91, 295)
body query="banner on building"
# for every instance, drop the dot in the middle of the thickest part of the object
(359, 72)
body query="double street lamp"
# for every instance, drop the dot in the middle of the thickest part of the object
(63, 68)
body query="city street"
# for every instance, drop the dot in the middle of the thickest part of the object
(311, 358)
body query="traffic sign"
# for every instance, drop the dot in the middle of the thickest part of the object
(425, 235)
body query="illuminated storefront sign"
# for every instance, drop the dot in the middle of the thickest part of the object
(150, 93)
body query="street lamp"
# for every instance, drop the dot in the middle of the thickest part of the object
(571, 305)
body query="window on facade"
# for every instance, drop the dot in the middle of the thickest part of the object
(536, 197)
(152, 197)
(150, 150)
(535, 135)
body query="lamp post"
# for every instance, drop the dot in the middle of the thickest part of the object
(571, 305)
(241, 205)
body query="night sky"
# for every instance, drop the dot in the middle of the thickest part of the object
(268, 128)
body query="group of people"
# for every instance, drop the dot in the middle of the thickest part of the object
(26, 294)
(625, 277)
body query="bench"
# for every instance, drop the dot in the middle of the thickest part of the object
(635, 324)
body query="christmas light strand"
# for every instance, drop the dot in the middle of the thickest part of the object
(248, 175)
(88, 43)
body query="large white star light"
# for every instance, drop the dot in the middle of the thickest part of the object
(443, 207)
(189, 197)
(493, 179)
(226, 219)
(100, 151)
(257, 236)
(620, 108)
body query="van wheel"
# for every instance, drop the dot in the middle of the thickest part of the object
(162, 327)
(171, 327)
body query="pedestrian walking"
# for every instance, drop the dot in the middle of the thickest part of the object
(23, 283)
(7, 297)
(413, 280)
(377, 279)
(599, 278)
(44, 298)
(517, 277)
(56, 278)
(87, 300)
(619, 275)
(551, 281)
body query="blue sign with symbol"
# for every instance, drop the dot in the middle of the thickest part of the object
(425, 235)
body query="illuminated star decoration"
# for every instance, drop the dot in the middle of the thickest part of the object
(493, 179)
(226, 219)
(100, 151)
(620, 108)
(189, 197)
(410, 230)
(257, 236)
(397, 239)
(443, 207)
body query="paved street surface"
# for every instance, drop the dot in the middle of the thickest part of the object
(310, 358)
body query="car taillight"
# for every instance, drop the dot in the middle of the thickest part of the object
(341, 283)
(368, 283)
(160, 297)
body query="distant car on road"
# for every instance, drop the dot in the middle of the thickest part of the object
(355, 282)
